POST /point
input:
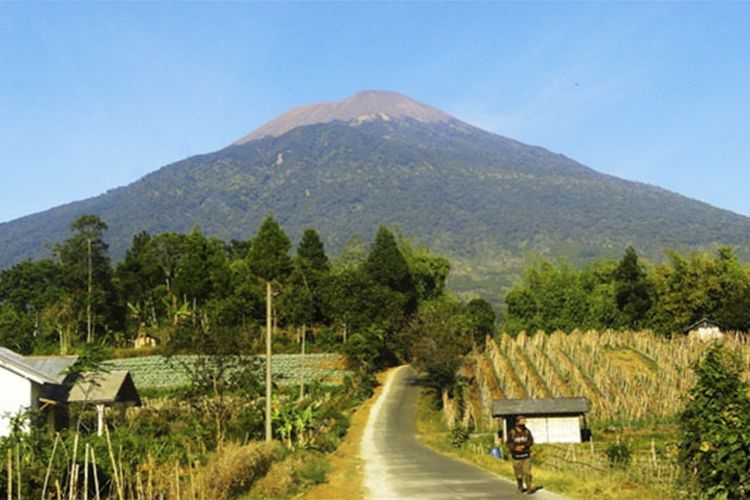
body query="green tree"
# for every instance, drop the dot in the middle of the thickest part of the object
(715, 447)
(548, 298)
(440, 336)
(16, 329)
(269, 260)
(429, 272)
(136, 278)
(481, 318)
(355, 301)
(314, 267)
(87, 275)
(386, 266)
(698, 286)
(26, 290)
(633, 289)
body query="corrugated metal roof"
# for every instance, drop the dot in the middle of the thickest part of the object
(54, 367)
(104, 388)
(18, 365)
(550, 406)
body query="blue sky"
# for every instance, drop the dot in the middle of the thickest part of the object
(94, 96)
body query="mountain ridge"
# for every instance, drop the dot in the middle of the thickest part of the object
(487, 202)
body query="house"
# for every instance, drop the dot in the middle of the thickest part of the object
(25, 383)
(43, 382)
(552, 420)
(704, 329)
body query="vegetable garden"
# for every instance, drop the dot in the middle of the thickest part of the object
(158, 372)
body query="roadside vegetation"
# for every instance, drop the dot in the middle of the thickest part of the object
(200, 306)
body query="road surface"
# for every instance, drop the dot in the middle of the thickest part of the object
(398, 466)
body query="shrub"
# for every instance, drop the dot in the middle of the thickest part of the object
(619, 455)
(715, 424)
(299, 470)
(234, 468)
(458, 436)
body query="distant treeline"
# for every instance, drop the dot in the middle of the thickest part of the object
(187, 287)
(632, 294)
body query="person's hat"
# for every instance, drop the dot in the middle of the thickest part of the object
(520, 419)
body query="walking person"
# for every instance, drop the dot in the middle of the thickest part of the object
(520, 441)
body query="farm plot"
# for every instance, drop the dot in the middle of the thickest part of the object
(158, 372)
(627, 376)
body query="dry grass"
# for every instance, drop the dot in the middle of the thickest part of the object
(234, 468)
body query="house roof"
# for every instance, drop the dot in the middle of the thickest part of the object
(550, 406)
(104, 388)
(20, 366)
(55, 367)
(702, 323)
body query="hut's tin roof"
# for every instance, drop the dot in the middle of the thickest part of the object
(530, 407)
(104, 388)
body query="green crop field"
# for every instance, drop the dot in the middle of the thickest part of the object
(158, 372)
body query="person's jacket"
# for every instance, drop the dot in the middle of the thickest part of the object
(519, 442)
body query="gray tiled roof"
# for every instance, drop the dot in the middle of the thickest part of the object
(550, 406)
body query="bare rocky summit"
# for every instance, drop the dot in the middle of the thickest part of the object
(360, 107)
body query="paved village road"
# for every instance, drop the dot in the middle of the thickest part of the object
(398, 466)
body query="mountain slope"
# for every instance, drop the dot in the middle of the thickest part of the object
(485, 201)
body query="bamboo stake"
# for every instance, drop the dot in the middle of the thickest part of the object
(192, 481)
(86, 473)
(118, 486)
(73, 480)
(18, 471)
(122, 475)
(49, 465)
(177, 479)
(96, 473)
(150, 482)
(73, 474)
(58, 489)
(10, 474)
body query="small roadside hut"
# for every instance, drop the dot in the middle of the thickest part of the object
(551, 420)
(105, 389)
(704, 329)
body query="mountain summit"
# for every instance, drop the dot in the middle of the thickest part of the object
(362, 106)
(487, 202)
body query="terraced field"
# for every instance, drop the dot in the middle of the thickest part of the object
(158, 372)
(627, 376)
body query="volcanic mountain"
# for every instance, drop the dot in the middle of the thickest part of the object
(485, 201)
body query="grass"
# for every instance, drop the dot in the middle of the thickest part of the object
(605, 484)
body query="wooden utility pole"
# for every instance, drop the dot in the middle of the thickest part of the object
(302, 367)
(89, 333)
(269, 309)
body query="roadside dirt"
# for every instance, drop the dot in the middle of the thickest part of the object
(346, 477)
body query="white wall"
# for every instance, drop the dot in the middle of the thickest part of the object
(554, 429)
(16, 394)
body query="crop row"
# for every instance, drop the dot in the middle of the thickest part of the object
(627, 376)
